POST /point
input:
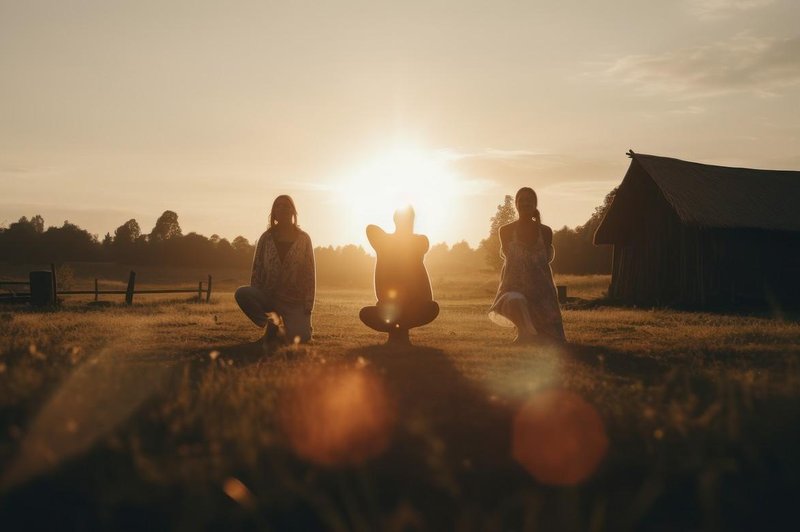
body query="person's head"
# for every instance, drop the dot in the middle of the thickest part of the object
(283, 212)
(404, 219)
(527, 204)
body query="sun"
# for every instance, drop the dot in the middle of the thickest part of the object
(398, 177)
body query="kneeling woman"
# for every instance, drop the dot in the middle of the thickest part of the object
(283, 281)
(527, 296)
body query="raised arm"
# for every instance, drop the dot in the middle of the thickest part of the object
(375, 235)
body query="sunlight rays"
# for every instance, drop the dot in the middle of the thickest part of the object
(403, 175)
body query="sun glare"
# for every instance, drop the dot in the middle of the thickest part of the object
(399, 177)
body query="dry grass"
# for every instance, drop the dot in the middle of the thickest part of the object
(166, 414)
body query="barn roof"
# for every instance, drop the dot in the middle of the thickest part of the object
(719, 196)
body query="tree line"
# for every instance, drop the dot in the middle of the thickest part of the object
(27, 241)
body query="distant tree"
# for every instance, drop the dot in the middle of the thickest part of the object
(438, 254)
(575, 249)
(68, 243)
(38, 223)
(166, 227)
(127, 233)
(349, 265)
(599, 213)
(506, 213)
(240, 244)
(20, 241)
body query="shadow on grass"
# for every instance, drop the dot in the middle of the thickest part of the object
(623, 364)
(775, 311)
(447, 423)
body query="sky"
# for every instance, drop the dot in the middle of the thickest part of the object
(119, 110)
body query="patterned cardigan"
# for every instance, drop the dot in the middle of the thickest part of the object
(290, 281)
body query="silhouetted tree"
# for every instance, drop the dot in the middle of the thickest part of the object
(67, 243)
(127, 233)
(575, 249)
(506, 213)
(240, 244)
(38, 223)
(166, 227)
(125, 237)
(20, 240)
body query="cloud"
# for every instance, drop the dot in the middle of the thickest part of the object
(513, 168)
(745, 63)
(689, 110)
(580, 190)
(12, 169)
(723, 8)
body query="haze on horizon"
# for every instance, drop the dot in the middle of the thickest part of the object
(111, 111)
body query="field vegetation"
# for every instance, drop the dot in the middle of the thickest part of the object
(171, 413)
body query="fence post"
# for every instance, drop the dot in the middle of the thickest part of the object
(96, 295)
(200, 292)
(208, 290)
(129, 291)
(55, 283)
(41, 283)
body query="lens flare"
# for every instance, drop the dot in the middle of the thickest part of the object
(559, 438)
(337, 417)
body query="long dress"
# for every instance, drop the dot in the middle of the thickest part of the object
(526, 276)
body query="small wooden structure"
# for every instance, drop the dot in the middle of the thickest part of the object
(699, 235)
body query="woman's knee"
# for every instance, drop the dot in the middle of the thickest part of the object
(242, 293)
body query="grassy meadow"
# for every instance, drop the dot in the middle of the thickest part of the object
(171, 414)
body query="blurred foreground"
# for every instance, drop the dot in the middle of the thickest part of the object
(167, 415)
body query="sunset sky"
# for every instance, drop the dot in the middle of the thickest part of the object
(118, 110)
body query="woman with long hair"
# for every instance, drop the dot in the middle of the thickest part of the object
(280, 296)
(527, 297)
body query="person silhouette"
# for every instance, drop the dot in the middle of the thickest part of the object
(283, 278)
(527, 297)
(402, 286)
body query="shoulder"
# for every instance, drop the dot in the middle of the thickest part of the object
(547, 233)
(423, 241)
(505, 230)
(264, 236)
(303, 236)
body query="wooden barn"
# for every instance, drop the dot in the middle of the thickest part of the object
(690, 234)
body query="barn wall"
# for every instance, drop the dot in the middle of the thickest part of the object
(708, 268)
(751, 266)
(658, 260)
(645, 264)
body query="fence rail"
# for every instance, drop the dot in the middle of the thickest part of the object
(49, 292)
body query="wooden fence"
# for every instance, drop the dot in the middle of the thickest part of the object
(44, 290)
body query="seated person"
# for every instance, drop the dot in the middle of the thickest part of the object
(402, 287)
(527, 297)
(280, 296)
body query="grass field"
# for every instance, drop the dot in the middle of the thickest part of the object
(168, 414)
